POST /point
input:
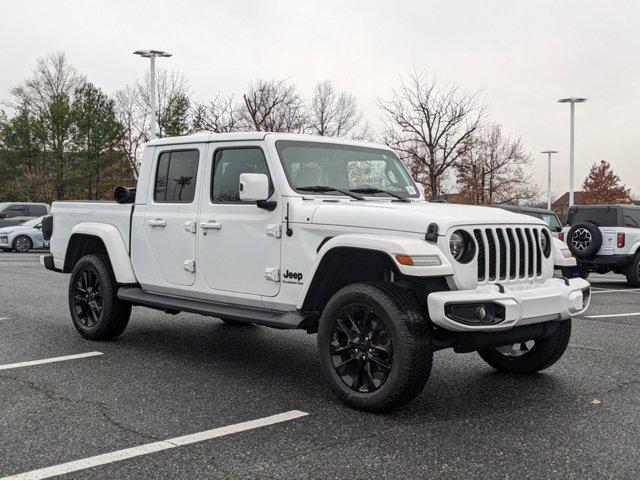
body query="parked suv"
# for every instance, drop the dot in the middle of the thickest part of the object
(19, 212)
(326, 235)
(547, 216)
(604, 238)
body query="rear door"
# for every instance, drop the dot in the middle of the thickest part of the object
(170, 218)
(238, 243)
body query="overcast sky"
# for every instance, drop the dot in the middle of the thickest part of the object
(524, 55)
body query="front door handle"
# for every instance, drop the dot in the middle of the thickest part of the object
(211, 225)
(158, 222)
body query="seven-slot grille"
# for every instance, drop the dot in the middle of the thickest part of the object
(508, 253)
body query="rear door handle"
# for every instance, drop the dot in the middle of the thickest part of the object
(158, 222)
(211, 225)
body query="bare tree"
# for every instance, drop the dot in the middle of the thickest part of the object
(430, 126)
(47, 96)
(492, 169)
(134, 119)
(221, 115)
(171, 88)
(333, 114)
(274, 106)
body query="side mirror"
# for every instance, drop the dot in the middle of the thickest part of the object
(254, 187)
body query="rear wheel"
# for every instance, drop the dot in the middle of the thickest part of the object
(375, 346)
(632, 272)
(22, 244)
(95, 309)
(531, 356)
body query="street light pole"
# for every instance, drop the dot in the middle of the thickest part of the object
(549, 152)
(151, 55)
(572, 101)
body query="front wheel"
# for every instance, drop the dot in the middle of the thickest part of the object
(375, 346)
(531, 356)
(22, 244)
(94, 306)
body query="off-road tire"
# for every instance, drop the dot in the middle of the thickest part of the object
(632, 272)
(18, 243)
(114, 314)
(545, 352)
(410, 336)
(593, 247)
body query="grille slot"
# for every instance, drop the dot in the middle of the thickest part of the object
(508, 253)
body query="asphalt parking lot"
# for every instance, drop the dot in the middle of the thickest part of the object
(168, 377)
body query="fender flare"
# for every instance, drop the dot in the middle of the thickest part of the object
(634, 249)
(116, 248)
(390, 246)
(562, 256)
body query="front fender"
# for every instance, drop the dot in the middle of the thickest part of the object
(390, 246)
(562, 256)
(116, 248)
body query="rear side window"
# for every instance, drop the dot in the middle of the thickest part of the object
(228, 164)
(552, 221)
(37, 210)
(632, 218)
(599, 216)
(176, 177)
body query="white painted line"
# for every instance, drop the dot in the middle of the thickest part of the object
(4, 318)
(616, 290)
(147, 448)
(612, 315)
(9, 366)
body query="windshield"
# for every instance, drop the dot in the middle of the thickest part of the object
(32, 223)
(345, 167)
(552, 221)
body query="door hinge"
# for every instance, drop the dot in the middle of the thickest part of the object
(190, 265)
(272, 274)
(190, 226)
(275, 230)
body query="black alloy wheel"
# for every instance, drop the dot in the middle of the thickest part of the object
(361, 348)
(88, 297)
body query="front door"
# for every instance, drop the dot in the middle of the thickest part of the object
(170, 218)
(238, 243)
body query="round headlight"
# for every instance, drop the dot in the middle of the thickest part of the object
(545, 243)
(456, 245)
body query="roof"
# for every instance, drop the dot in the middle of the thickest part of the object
(206, 137)
(604, 207)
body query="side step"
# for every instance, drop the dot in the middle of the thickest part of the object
(269, 318)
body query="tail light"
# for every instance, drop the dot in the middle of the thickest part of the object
(561, 236)
(620, 239)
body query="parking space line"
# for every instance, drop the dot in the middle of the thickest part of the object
(633, 290)
(148, 448)
(613, 315)
(9, 366)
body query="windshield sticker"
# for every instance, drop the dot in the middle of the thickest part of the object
(411, 190)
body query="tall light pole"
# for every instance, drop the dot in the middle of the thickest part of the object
(151, 55)
(549, 152)
(572, 101)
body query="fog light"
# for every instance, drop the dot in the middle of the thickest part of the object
(475, 313)
(481, 313)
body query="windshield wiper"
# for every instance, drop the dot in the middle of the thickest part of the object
(372, 190)
(324, 188)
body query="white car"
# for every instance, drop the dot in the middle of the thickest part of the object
(326, 235)
(604, 238)
(24, 237)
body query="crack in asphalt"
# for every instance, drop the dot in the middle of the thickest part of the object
(102, 409)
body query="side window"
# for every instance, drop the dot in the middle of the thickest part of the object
(228, 164)
(632, 218)
(176, 176)
(37, 210)
(16, 211)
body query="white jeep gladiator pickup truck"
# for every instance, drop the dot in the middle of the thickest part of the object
(330, 236)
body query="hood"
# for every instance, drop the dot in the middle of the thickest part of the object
(414, 217)
(13, 228)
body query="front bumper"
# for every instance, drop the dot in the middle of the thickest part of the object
(520, 304)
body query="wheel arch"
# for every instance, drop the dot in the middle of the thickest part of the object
(354, 258)
(97, 238)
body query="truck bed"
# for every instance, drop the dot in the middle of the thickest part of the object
(67, 215)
